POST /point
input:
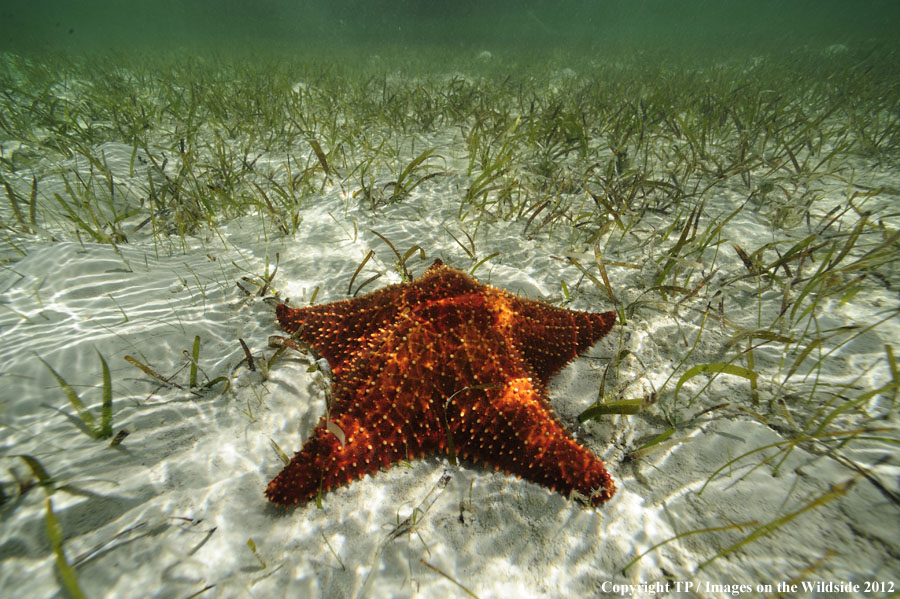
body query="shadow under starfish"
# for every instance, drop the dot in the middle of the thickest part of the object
(443, 364)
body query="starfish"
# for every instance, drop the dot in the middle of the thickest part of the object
(443, 364)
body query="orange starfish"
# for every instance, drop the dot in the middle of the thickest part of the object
(442, 364)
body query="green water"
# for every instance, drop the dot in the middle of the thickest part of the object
(585, 26)
(722, 173)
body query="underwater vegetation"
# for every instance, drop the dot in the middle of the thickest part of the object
(735, 204)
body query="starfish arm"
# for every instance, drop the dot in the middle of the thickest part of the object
(307, 472)
(325, 462)
(337, 329)
(549, 337)
(511, 429)
(498, 413)
(383, 409)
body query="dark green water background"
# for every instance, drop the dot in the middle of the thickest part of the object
(343, 26)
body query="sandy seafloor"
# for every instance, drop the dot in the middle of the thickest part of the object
(170, 512)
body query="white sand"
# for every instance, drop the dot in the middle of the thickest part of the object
(171, 511)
